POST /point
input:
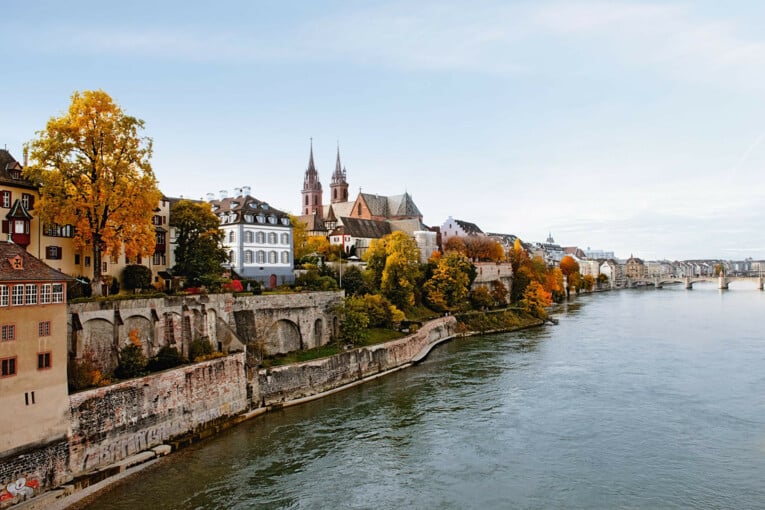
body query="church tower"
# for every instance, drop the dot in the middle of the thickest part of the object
(311, 189)
(339, 184)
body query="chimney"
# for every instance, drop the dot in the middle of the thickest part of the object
(237, 192)
(223, 194)
(246, 190)
(210, 197)
(26, 156)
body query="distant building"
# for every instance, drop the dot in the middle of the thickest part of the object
(634, 268)
(459, 228)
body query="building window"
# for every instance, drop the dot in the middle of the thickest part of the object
(272, 220)
(76, 259)
(43, 328)
(272, 257)
(285, 257)
(232, 257)
(231, 236)
(55, 230)
(248, 257)
(160, 238)
(261, 257)
(28, 201)
(159, 259)
(271, 238)
(104, 267)
(17, 297)
(87, 261)
(4, 295)
(285, 239)
(5, 196)
(43, 360)
(8, 367)
(46, 294)
(31, 294)
(260, 238)
(8, 332)
(58, 292)
(306, 199)
(53, 252)
(248, 237)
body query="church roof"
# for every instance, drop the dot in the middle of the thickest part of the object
(367, 229)
(338, 177)
(311, 181)
(391, 207)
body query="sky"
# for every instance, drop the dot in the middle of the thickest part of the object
(633, 127)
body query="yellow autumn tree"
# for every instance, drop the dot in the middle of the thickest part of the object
(94, 173)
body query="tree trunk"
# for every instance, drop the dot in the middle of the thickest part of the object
(96, 283)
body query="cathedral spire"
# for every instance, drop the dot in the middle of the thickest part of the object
(311, 194)
(339, 184)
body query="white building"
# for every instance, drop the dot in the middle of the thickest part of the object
(257, 236)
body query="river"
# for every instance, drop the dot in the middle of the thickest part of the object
(637, 399)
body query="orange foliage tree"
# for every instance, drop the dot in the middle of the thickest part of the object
(94, 173)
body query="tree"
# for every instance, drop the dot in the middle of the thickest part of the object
(199, 251)
(94, 173)
(448, 287)
(481, 298)
(299, 236)
(568, 265)
(393, 267)
(354, 320)
(535, 299)
(136, 276)
(499, 293)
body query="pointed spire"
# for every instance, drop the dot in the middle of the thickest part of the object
(338, 177)
(310, 159)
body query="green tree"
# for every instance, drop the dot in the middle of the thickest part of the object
(136, 276)
(354, 320)
(353, 281)
(94, 173)
(481, 298)
(199, 251)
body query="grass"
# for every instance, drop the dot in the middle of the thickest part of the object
(376, 336)
(507, 319)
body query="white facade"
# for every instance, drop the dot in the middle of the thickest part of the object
(427, 242)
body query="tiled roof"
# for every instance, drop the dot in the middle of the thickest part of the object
(393, 206)
(367, 229)
(34, 269)
(470, 229)
(244, 206)
(8, 163)
(408, 226)
(312, 222)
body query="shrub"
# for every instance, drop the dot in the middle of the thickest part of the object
(167, 357)
(136, 276)
(132, 362)
(199, 348)
(84, 373)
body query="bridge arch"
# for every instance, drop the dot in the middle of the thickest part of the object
(283, 336)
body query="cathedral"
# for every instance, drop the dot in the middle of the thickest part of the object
(355, 223)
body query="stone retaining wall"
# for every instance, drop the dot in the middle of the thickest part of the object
(111, 423)
(282, 384)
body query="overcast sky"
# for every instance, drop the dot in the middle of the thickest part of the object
(635, 127)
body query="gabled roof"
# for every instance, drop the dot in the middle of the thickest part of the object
(8, 165)
(391, 207)
(367, 229)
(408, 226)
(34, 269)
(313, 222)
(338, 211)
(18, 211)
(470, 229)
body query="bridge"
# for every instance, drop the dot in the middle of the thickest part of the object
(722, 281)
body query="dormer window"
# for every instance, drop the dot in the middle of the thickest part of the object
(285, 222)
(249, 218)
(14, 173)
(272, 220)
(261, 218)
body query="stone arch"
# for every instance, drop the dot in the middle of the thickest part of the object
(283, 336)
(318, 328)
(98, 341)
(144, 330)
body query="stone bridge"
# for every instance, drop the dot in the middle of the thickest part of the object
(261, 325)
(688, 281)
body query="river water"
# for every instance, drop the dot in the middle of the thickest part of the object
(637, 399)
